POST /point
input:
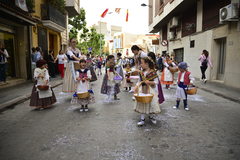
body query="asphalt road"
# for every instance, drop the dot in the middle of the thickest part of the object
(210, 130)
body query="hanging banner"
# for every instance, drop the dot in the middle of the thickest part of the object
(21, 4)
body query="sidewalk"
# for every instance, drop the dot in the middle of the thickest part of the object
(220, 89)
(19, 93)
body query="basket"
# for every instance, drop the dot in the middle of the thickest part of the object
(134, 79)
(43, 87)
(191, 91)
(173, 69)
(76, 66)
(117, 79)
(143, 99)
(83, 95)
(134, 73)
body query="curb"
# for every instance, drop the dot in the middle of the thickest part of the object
(10, 104)
(220, 95)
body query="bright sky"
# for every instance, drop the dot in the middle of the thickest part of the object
(137, 15)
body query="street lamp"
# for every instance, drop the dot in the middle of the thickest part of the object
(144, 5)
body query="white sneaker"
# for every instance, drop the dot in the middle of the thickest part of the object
(186, 109)
(175, 107)
(141, 122)
(153, 120)
(131, 91)
(81, 110)
(86, 109)
(133, 98)
(205, 80)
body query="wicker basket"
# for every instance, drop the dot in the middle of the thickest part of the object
(191, 91)
(134, 79)
(43, 87)
(143, 99)
(83, 95)
(134, 73)
(173, 69)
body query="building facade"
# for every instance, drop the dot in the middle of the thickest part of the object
(39, 24)
(15, 33)
(186, 27)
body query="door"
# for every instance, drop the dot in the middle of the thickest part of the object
(221, 43)
(43, 40)
(179, 54)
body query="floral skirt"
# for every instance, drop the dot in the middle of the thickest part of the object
(83, 101)
(107, 89)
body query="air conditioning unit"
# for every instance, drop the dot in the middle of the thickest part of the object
(171, 35)
(173, 22)
(229, 13)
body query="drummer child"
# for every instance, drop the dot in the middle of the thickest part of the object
(184, 79)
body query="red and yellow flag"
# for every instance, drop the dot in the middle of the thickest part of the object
(104, 13)
(127, 16)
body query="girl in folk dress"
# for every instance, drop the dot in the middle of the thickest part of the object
(149, 77)
(167, 76)
(83, 77)
(184, 79)
(73, 54)
(119, 64)
(41, 99)
(126, 81)
(109, 87)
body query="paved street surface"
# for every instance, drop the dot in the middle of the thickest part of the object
(209, 131)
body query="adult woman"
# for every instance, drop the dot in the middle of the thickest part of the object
(138, 54)
(205, 61)
(167, 75)
(61, 57)
(73, 55)
(51, 65)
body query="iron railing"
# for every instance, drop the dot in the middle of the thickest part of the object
(50, 13)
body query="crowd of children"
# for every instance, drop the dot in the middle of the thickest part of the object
(147, 87)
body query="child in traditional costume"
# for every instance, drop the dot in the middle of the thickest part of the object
(149, 77)
(126, 81)
(167, 76)
(184, 80)
(109, 86)
(83, 77)
(42, 94)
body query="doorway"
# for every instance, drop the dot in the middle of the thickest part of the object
(221, 45)
(8, 40)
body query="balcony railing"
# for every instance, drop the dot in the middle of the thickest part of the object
(52, 14)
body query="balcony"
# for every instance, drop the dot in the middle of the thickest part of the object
(52, 18)
(73, 7)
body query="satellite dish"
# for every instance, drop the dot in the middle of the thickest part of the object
(224, 13)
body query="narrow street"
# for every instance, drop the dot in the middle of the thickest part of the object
(210, 130)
